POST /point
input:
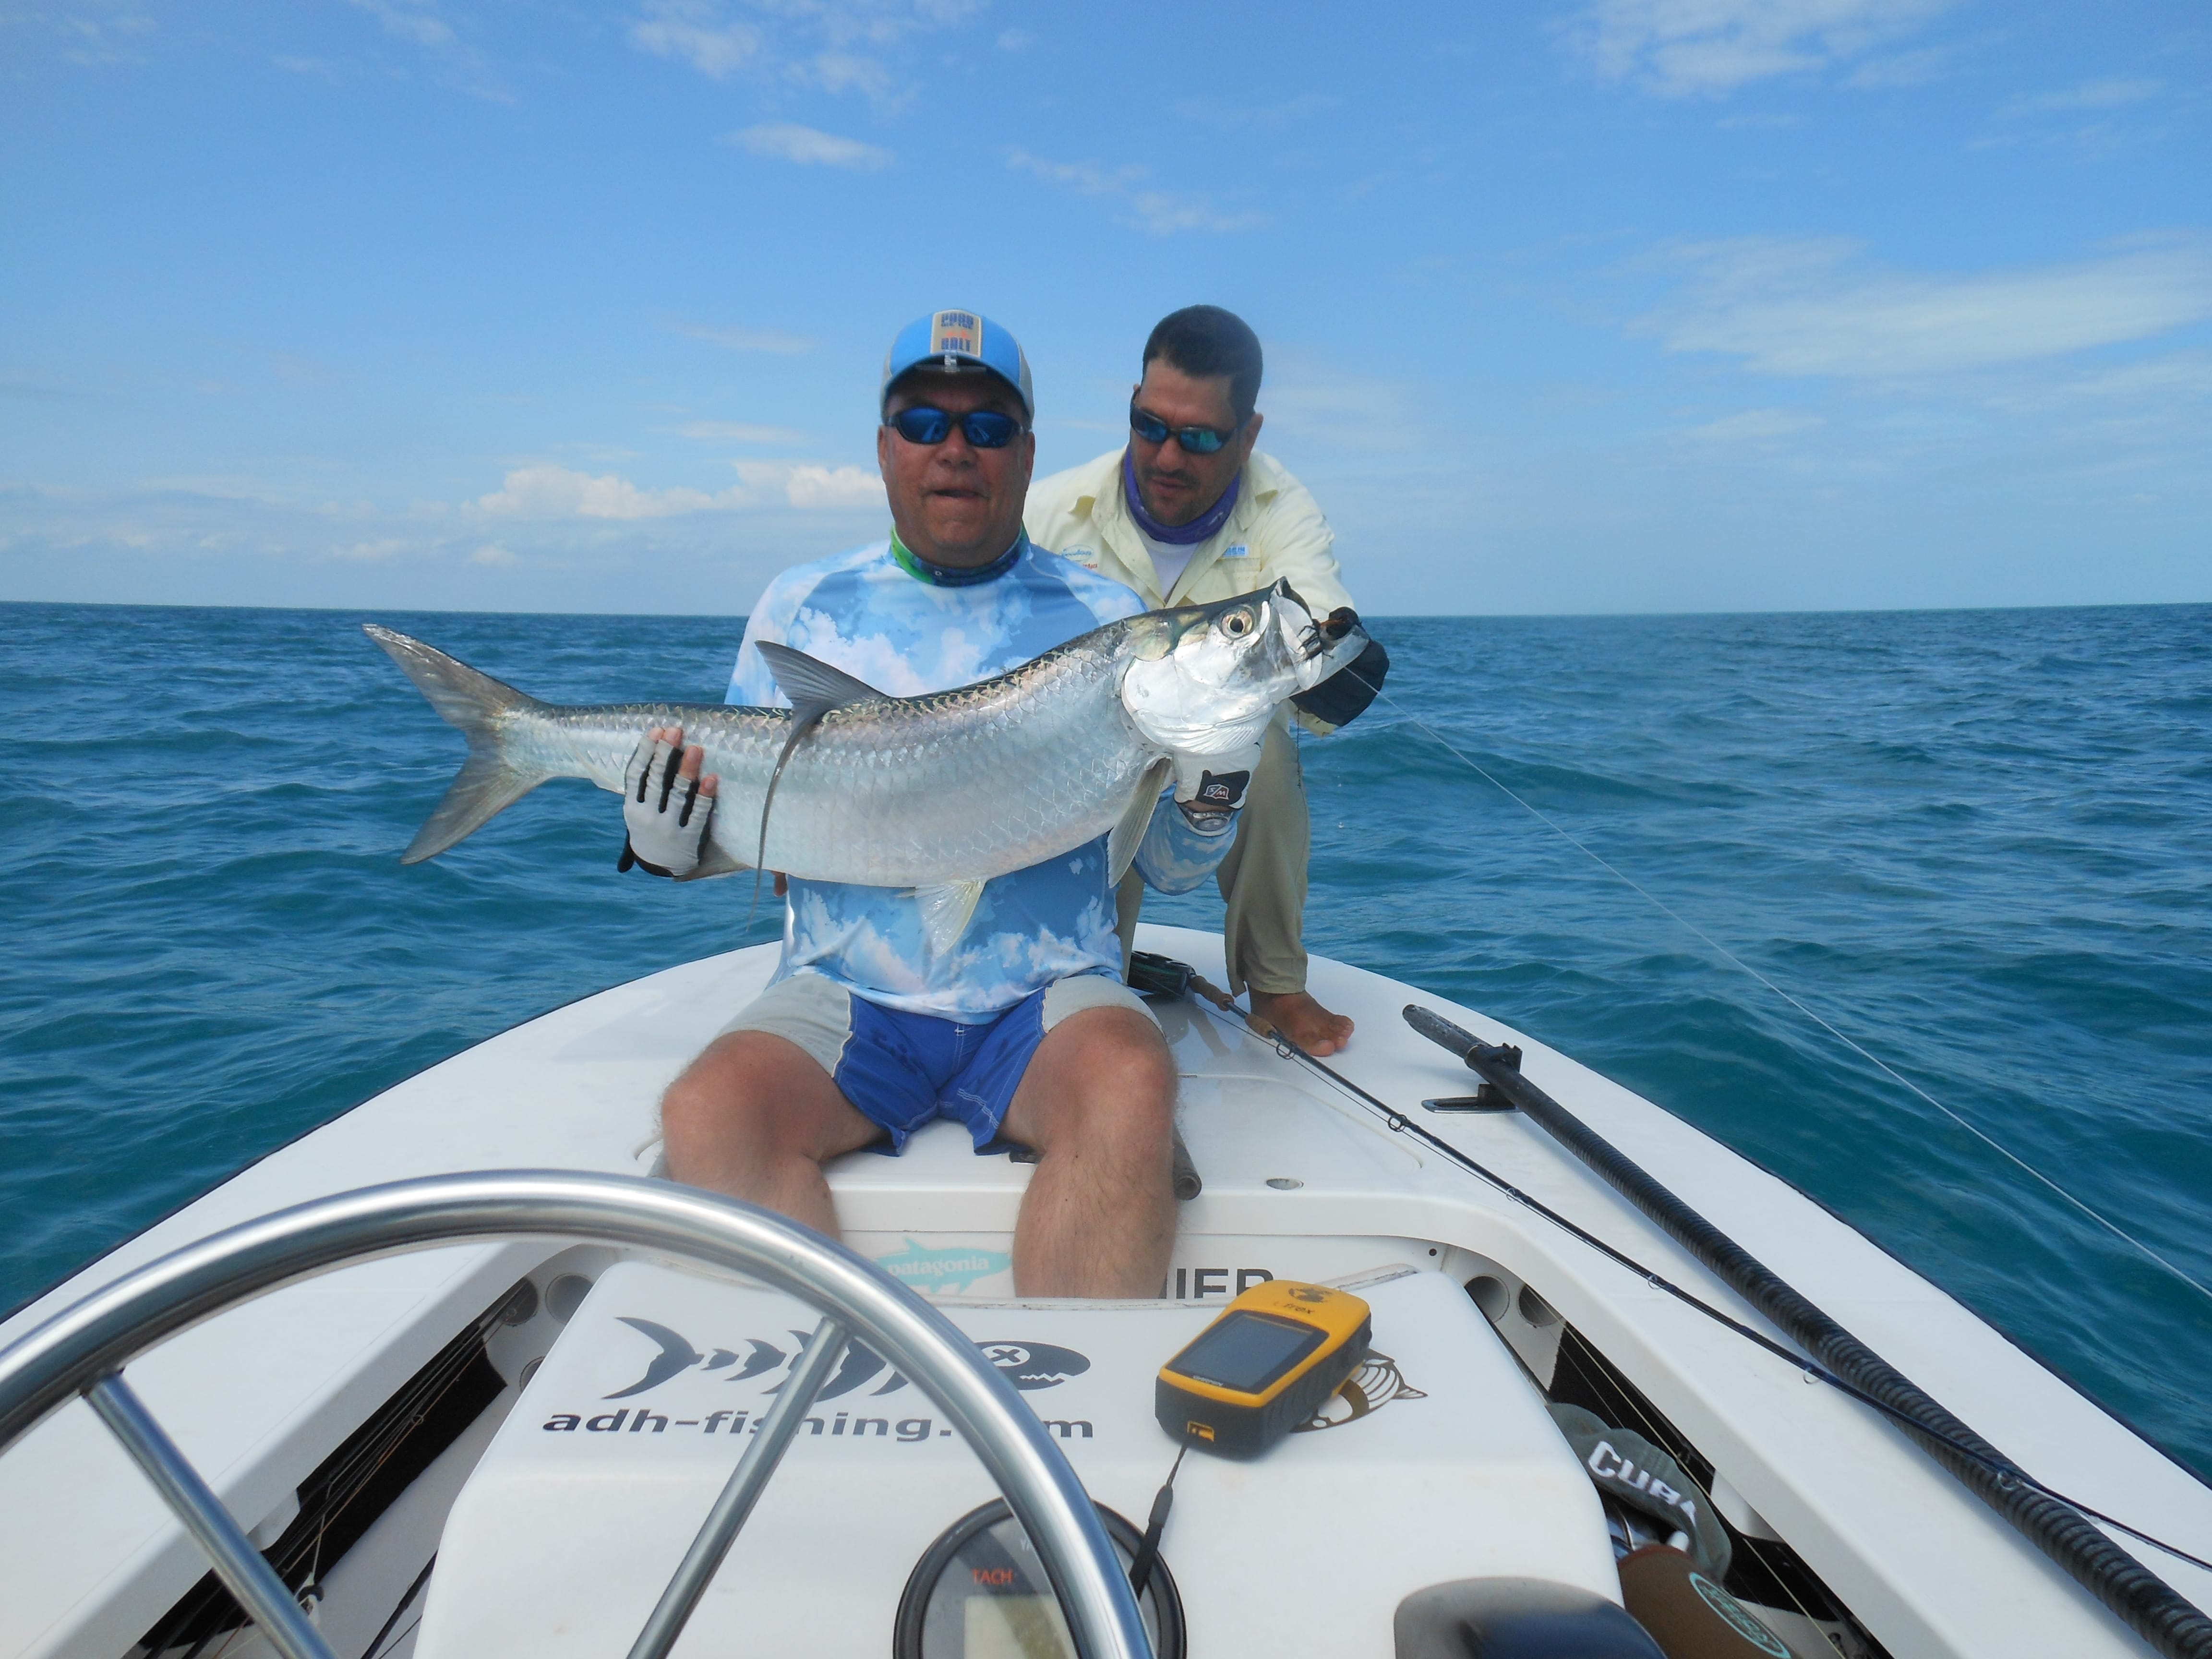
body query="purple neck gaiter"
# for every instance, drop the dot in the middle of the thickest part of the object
(1175, 535)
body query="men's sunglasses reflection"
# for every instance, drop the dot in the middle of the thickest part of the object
(985, 428)
(1198, 439)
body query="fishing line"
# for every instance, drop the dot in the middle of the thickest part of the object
(1812, 1369)
(1733, 960)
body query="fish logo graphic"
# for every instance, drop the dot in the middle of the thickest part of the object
(677, 1356)
(1033, 1365)
(955, 1269)
(1366, 1391)
(1027, 1365)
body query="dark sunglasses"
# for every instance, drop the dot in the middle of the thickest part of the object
(1198, 439)
(986, 428)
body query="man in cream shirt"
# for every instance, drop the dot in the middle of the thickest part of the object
(1188, 513)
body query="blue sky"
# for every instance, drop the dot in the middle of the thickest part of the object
(1638, 305)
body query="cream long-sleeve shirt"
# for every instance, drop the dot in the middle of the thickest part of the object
(1275, 530)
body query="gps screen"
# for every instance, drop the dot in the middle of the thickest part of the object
(1247, 1352)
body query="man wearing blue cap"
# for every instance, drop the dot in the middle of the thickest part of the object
(1024, 1032)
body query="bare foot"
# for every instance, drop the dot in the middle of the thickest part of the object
(1305, 1022)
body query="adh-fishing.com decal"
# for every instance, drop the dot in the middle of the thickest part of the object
(765, 1365)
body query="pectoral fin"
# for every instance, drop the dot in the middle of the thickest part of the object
(814, 688)
(1129, 834)
(946, 909)
(713, 861)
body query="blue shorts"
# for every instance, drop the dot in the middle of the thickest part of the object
(902, 1070)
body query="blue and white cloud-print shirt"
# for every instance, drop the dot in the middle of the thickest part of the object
(864, 612)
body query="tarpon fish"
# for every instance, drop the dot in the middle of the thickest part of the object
(938, 792)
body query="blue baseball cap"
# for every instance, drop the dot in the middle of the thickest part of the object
(952, 340)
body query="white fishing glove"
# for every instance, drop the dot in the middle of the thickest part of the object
(665, 815)
(1209, 789)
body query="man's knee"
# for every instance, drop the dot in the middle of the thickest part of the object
(1113, 1083)
(728, 1094)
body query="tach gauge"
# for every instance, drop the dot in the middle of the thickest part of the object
(980, 1592)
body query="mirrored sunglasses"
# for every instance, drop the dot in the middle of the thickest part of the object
(1198, 439)
(986, 428)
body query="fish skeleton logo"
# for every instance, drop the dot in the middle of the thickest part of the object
(1027, 1365)
(1033, 1365)
(955, 1268)
(1366, 1391)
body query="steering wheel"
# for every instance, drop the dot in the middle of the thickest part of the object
(83, 1349)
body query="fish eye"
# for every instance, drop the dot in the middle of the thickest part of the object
(1238, 622)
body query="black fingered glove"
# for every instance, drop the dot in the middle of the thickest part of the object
(664, 814)
(1343, 697)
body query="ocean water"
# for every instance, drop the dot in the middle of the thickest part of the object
(1979, 842)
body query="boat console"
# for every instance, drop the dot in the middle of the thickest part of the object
(1437, 1463)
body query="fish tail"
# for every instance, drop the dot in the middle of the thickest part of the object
(493, 778)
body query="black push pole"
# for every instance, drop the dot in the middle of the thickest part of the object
(2152, 1608)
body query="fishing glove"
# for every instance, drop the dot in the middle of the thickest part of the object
(665, 815)
(1209, 789)
(1344, 696)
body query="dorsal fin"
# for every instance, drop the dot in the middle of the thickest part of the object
(814, 688)
(809, 682)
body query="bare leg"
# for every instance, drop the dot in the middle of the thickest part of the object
(1098, 1103)
(756, 1117)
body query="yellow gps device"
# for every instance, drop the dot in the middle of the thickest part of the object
(1265, 1367)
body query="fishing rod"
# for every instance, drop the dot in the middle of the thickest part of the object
(2151, 1608)
(2047, 1517)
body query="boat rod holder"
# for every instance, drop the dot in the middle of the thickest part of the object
(2150, 1606)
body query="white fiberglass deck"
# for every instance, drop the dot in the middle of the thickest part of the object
(1300, 1182)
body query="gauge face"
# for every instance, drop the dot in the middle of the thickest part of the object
(980, 1592)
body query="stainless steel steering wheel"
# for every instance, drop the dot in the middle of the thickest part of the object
(82, 1350)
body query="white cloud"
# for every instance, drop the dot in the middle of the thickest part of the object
(750, 339)
(1084, 178)
(389, 547)
(1680, 48)
(2182, 378)
(95, 33)
(1163, 213)
(2110, 92)
(738, 432)
(452, 61)
(419, 22)
(491, 553)
(1754, 427)
(547, 490)
(1807, 307)
(844, 486)
(1016, 40)
(1328, 411)
(833, 46)
(694, 31)
(789, 142)
(560, 492)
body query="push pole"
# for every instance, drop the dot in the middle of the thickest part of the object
(2150, 1606)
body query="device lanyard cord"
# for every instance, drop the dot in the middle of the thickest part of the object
(1988, 1458)
(1148, 1552)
